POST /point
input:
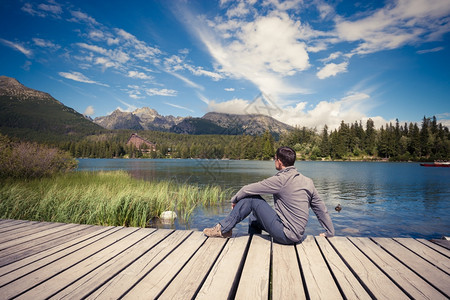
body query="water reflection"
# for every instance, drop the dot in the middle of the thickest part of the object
(378, 199)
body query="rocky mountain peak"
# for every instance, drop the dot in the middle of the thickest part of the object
(13, 88)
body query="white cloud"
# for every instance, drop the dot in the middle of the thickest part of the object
(17, 47)
(200, 71)
(235, 106)
(77, 76)
(178, 106)
(332, 69)
(96, 35)
(89, 111)
(79, 16)
(45, 44)
(263, 51)
(396, 24)
(130, 107)
(437, 49)
(142, 50)
(161, 92)
(51, 8)
(139, 75)
(229, 89)
(43, 10)
(114, 58)
(349, 109)
(106, 63)
(187, 81)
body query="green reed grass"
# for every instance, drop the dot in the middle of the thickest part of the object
(102, 198)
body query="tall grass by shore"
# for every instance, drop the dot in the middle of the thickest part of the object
(101, 198)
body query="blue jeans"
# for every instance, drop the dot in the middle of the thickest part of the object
(263, 217)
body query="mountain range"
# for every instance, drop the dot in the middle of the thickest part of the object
(211, 123)
(35, 115)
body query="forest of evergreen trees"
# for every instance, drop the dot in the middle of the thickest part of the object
(394, 142)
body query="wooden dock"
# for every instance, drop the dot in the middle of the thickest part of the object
(40, 260)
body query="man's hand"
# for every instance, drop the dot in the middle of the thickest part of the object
(233, 205)
(322, 234)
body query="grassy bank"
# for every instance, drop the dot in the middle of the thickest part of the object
(101, 198)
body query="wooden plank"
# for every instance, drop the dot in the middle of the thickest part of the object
(42, 274)
(442, 243)
(67, 277)
(8, 228)
(188, 281)
(31, 247)
(348, 283)
(85, 285)
(52, 228)
(254, 282)
(128, 277)
(154, 283)
(318, 279)
(414, 285)
(220, 281)
(437, 259)
(5, 223)
(379, 285)
(42, 258)
(436, 247)
(433, 275)
(286, 273)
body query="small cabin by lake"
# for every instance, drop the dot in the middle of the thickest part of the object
(141, 143)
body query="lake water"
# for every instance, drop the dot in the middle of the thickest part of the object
(377, 199)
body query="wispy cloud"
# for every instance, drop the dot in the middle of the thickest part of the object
(161, 92)
(187, 81)
(45, 44)
(44, 9)
(17, 47)
(437, 49)
(77, 76)
(395, 25)
(81, 17)
(139, 75)
(130, 107)
(179, 106)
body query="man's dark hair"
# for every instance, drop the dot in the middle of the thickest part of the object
(286, 155)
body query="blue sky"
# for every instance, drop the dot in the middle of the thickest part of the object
(316, 62)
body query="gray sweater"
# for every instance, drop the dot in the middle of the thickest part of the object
(293, 194)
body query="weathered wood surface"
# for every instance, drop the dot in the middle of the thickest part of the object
(41, 260)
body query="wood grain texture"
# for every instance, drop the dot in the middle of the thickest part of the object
(318, 279)
(254, 283)
(433, 275)
(348, 283)
(414, 285)
(286, 273)
(220, 280)
(372, 277)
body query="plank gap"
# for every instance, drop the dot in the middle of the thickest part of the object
(151, 269)
(235, 285)
(353, 272)
(178, 272)
(381, 269)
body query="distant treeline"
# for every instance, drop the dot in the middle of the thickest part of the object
(395, 142)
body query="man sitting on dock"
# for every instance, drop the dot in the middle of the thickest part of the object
(293, 194)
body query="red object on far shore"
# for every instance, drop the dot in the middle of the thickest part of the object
(437, 164)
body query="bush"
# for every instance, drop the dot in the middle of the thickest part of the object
(31, 160)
